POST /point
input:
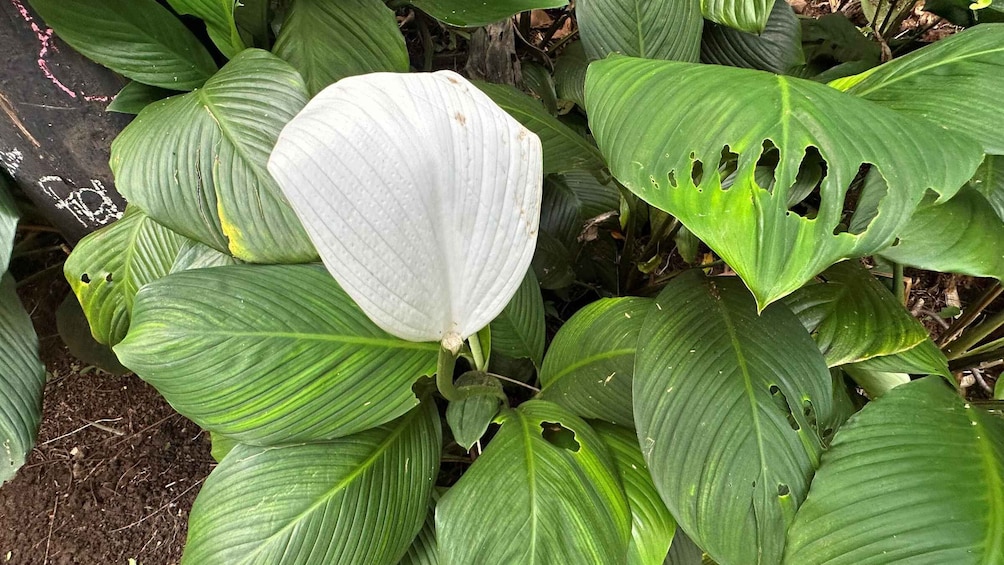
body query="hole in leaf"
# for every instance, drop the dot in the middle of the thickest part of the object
(782, 403)
(108, 277)
(805, 195)
(827, 436)
(766, 166)
(559, 436)
(672, 179)
(852, 199)
(809, 411)
(728, 167)
(783, 490)
(697, 172)
(84, 278)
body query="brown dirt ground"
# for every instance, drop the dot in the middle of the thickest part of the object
(114, 471)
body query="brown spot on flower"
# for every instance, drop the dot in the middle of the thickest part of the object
(461, 119)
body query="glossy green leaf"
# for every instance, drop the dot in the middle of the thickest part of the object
(219, 18)
(652, 526)
(955, 82)
(139, 39)
(683, 551)
(22, 378)
(135, 96)
(589, 366)
(8, 223)
(221, 446)
(254, 22)
(745, 15)
(652, 148)
(270, 354)
(327, 41)
(889, 492)
(108, 267)
(656, 29)
(464, 13)
(876, 383)
(853, 317)
(196, 163)
(777, 49)
(470, 416)
(519, 330)
(552, 263)
(963, 235)
(356, 499)
(564, 149)
(923, 359)
(989, 181)
(545, 490)
(729, 421)
(424, 550)
(538, 81)
(570, 74)
(195, 255)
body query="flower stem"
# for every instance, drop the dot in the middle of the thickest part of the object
(448, 351)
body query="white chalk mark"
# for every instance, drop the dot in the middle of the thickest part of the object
(90, 205)
(11, 160)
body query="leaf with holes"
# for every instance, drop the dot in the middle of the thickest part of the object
(219, 18)
(328, 41)
(652, 526)
(421, 194)
(777, 49)
(357, 499)
(854, 317)
(589, 366)
(22, 378)
(464, 13)
(726, 419)
(564, 149)
(270, 354)
(888, 489)
(659, 29)
(955, 83)
(544, 491)
(196, 163)
(963, 235)
(772, 248)
(519, 330)
(108, 267)
(139, 39)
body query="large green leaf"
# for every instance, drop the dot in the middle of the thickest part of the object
(989, 181)
(684, 551)
(854, 317)
(653, 147)
(728, 406)
(519, 330)
(545, 490)
(589, 366)
(776, 49)
(8, 224)
(652, 526)
(22, 378)
(653, 29)
(270, 354)
(327, 41)
(139, 39)
(889, 490)
(135, 96)
(109, 266)
(564, 149)
(570, 74)
(219, 18)
(745, 15)
(358, 499)
(963, 235)
(923, 359)
(424, 549)
(197, 163)
(464, 13)
(955, 83)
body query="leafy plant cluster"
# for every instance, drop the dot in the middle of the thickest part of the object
(673, 413)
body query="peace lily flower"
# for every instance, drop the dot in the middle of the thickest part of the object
(421, 195)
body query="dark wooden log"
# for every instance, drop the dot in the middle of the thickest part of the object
(55, 134)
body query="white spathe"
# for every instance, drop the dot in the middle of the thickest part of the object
(421, 195)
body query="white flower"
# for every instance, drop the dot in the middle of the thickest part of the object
(421, 195)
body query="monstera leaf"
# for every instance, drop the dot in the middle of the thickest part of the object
(674, 156)
(888, 489)
(659, 29)
(728, 421)
(421, 195)
(196, 163)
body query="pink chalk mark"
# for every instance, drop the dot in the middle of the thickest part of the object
(45, 39)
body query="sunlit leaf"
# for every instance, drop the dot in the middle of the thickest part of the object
(421, 195)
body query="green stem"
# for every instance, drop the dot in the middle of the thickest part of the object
(477, 352)
(444, 375)
(964, 362)
(974, 335)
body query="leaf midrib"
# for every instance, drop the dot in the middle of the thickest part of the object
(531, 485)
(333, 338)
(606, 355)
(364, 466)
